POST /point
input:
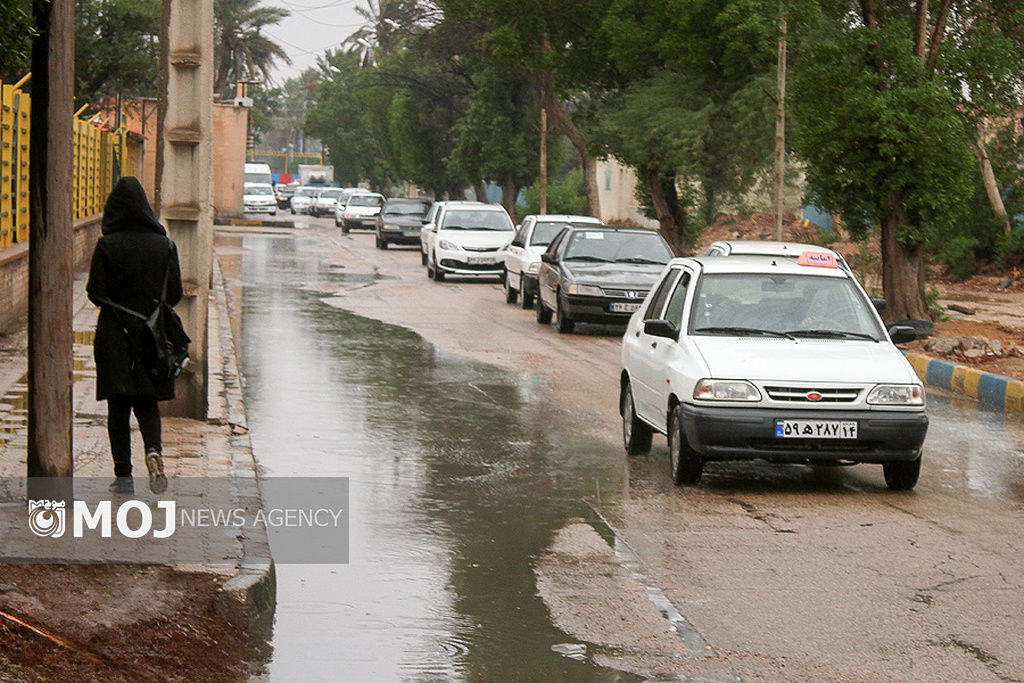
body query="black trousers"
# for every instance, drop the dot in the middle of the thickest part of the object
(119, 429)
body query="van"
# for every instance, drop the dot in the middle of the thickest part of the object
(258, 173)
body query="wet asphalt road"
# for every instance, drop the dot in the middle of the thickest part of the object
(478, 488)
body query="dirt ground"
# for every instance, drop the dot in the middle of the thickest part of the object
(53, 629)
(996, 312)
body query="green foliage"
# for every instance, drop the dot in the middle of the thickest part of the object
(242, 51)
(958, 254)
(880, 137)
(16, 31)
(116, 48)
(567, 196)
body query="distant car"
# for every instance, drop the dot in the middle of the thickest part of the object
(303, 198)
(400, 221)
(469, 240)
(598, 274)
(326, 201)
(430, 224)
(522, 258)
(259, 198)
(284, 193)
(782, 359)
(360, 211)
(768, 248)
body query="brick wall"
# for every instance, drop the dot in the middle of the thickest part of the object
(14, 271)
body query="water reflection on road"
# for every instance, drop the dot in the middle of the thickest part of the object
(460, 474)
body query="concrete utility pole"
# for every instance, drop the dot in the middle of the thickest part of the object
(780, 131)
(50, 254)
(184, 171)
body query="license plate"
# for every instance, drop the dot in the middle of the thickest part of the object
(411, 233)
(624, 308)
(816, 429)
(480, 260)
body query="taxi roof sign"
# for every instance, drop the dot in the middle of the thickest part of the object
(820, 259)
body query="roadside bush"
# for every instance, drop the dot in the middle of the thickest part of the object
(959, 256)
(567, 196)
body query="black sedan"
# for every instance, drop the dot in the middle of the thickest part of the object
(598, 274)
(400, 220)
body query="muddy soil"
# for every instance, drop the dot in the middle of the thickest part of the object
(118, 623)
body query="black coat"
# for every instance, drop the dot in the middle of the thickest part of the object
(128, 268)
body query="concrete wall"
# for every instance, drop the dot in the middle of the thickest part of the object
(14, 270)
(230, 127)
(616, 186)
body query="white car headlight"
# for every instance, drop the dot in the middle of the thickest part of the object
(446, 245)
(897, 395)
(533, 268)
(587, 290)
(726, 390)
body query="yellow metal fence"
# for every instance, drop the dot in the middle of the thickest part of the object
(100, 158)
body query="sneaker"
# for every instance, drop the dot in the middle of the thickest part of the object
(122, 485)
(155, 465)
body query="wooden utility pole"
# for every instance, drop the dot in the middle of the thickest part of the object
(780, 131)
(184, 172)
(50, 254)
(543, 159)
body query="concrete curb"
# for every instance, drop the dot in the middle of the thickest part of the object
(989, 389)
(256, 222)
(254, 585)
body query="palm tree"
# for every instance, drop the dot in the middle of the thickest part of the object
(243, 52)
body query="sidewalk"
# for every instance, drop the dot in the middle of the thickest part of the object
(233, 581)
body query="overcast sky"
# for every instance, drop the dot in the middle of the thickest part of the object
(314, 27)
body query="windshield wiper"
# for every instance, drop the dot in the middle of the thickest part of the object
(637, 259)
(597, 259)
(744, 330)
(831, 334)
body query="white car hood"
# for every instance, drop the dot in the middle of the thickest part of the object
(480, 239)
(804, 360)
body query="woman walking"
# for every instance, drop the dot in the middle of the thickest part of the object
(132, 261)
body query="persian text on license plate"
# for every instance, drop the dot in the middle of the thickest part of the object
(624, 308)
(816, 429)
(480, 260)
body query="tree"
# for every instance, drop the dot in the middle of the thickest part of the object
(242, 51)
(16, 33)
(888, 97)
(497, 138)
(116, 48)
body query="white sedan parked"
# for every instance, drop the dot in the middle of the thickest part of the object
(787, 360)
(522, 258)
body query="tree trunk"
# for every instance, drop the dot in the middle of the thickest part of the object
(480, 190)
(903, 274)
(665, 200)
(709, 209)
(988, 177)
(558, 112)
(508, 197)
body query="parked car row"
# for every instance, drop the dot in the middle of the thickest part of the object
(755, 350)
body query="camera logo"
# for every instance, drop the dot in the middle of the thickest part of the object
(46, 518)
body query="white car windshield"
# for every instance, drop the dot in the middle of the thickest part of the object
(258, 189)
(545, 231)
(476, 220)
(744, 304)
(364, 200)
(614, 246)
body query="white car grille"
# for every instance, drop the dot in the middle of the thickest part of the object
(806, 394)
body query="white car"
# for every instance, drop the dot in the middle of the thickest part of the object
(522, 257)
(326, 201)
(259, 198)
(303, 198)
(469, 240)
(787, 360)
(429, 228)
(360, 211)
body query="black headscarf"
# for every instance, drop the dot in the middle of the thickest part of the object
(128, 209)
